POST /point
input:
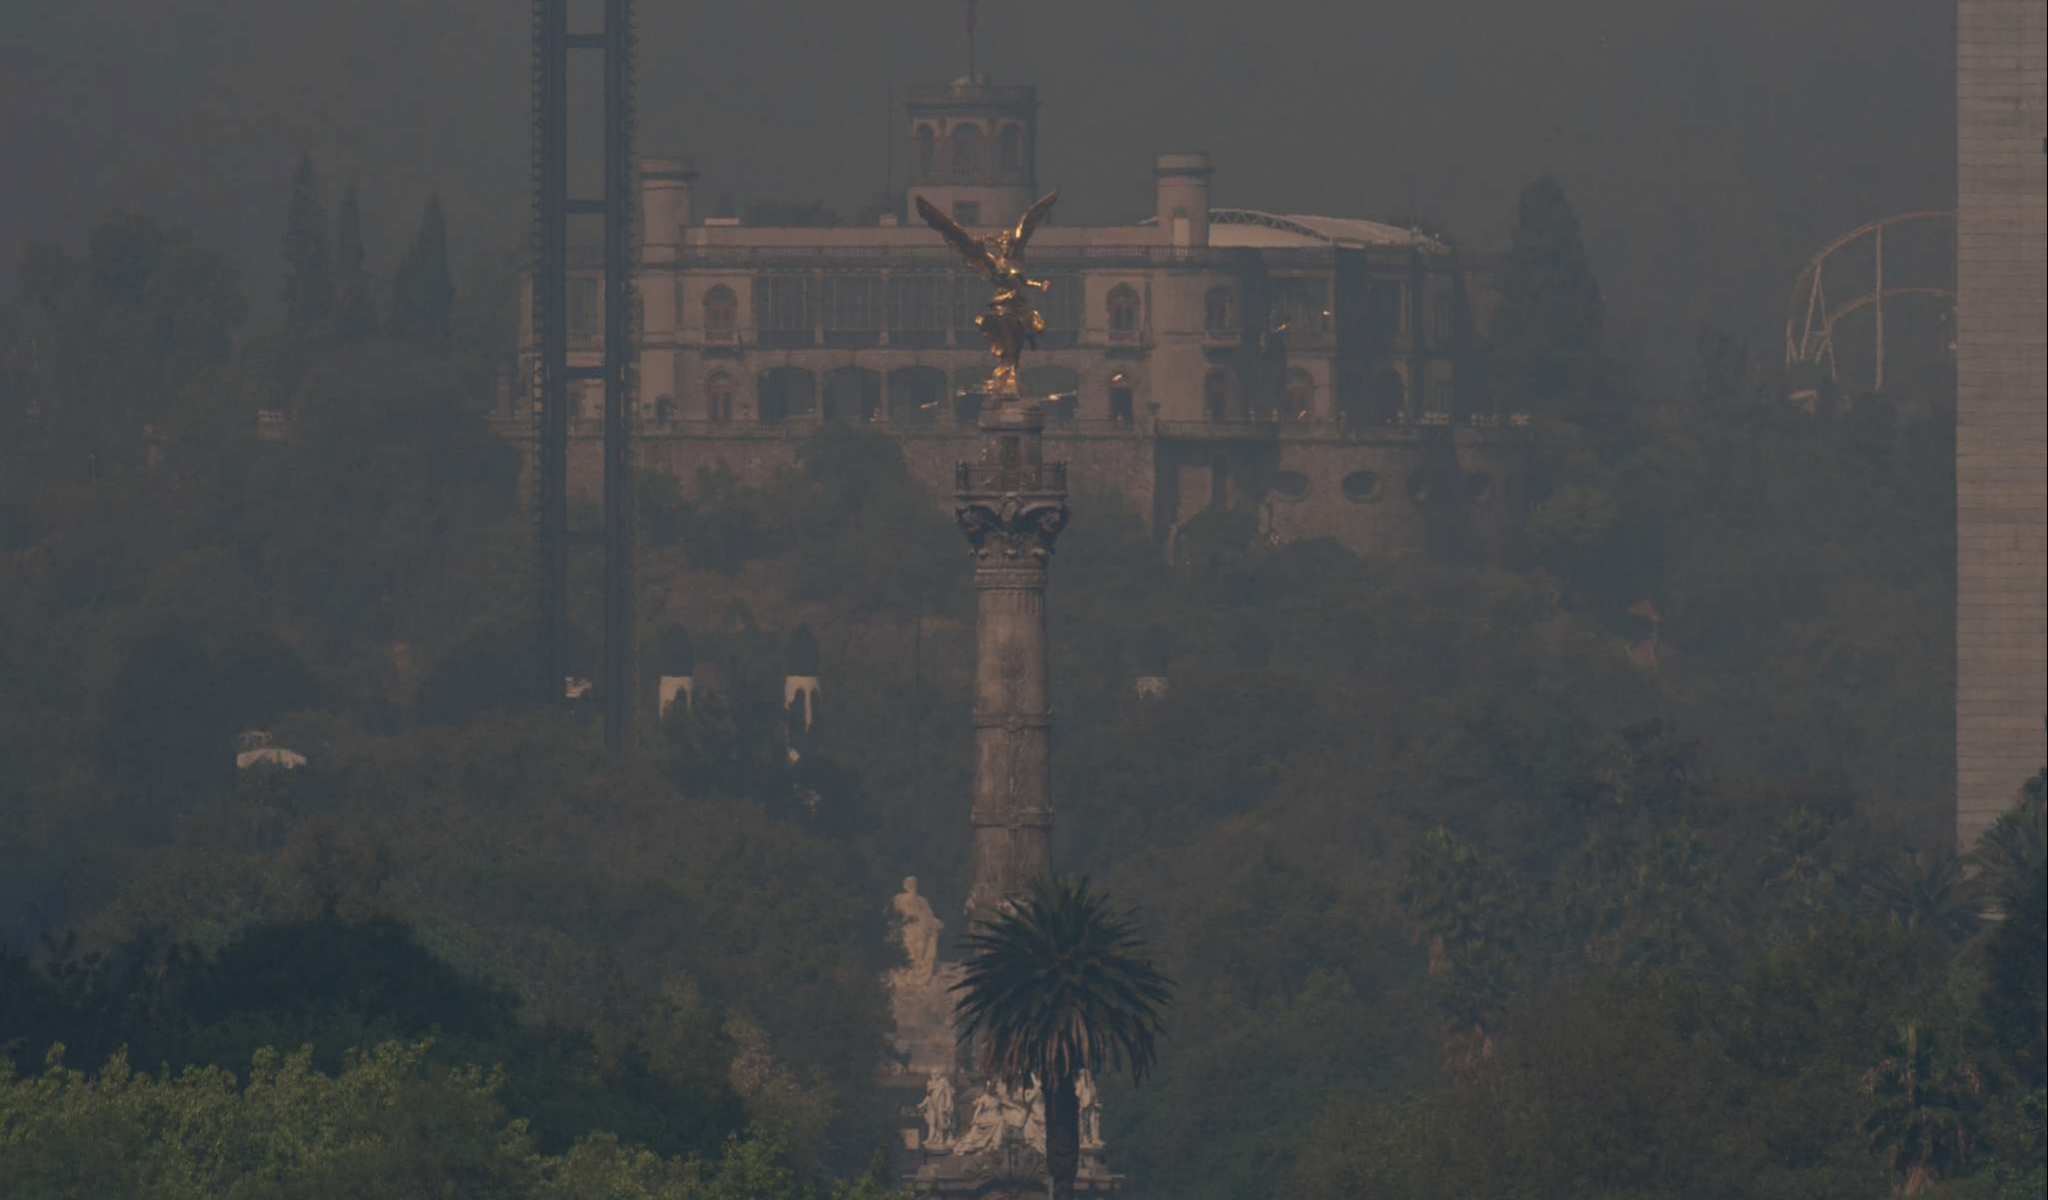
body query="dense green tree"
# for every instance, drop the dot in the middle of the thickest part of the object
(1474, 923)
(308, 267)
(355, 310)
(120, 340)
(868, 536)
(390, 1122)
(1925, 1109)
(2012, 857)
(489, 671)
(180, 696)
(1923, 890)
(1058, 983)
(423, 291)
(1547, 332)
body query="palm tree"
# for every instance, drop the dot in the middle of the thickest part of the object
(1054, 984)
(2013, 853)
(1923, 1109)
(1923, 890)
(2012, 864)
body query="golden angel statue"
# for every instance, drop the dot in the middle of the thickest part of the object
(1012, 321)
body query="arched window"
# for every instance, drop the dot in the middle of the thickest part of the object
(853, 309)
(721, 314)
(1059, 387)
(1361, 487)
(1219, 310)
(786, 392)
(1121, 389)
(927, 150)
(1123, 313)
(917, 395)
(1301, 396)
(852, 395)
(1013, 148)
(1221, 399)
(966, 150)
(1389, 398)
(968, 383)
(1354, 410)
(718, 393)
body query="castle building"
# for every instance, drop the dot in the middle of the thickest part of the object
(1318, 371)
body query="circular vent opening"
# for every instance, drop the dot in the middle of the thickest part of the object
(1290, 485)
(1362, 486)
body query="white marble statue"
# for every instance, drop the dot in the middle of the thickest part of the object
(1091, 1110)
(1033, 1104)
(920, 930)
(937, 1109)
(1015, 1113)
(986, 1127)
(919, 1000)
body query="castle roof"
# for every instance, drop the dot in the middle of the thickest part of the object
(1265, 230)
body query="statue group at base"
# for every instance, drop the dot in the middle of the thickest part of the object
(1001, 1116)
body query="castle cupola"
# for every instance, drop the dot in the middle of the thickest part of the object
(974, 148)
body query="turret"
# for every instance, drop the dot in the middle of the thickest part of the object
(974, 149)
(1181, 193)
(664, 208)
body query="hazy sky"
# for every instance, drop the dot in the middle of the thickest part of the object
(1709, 144)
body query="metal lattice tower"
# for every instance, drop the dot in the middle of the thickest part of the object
(552, 44)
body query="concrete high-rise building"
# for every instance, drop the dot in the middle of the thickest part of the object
(2001, 405)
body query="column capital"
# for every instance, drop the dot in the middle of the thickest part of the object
(1013, 722)
(1014, 528)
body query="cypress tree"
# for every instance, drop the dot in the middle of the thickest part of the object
(355, 314)
(1546, 336)
(423, 297)
(308, 281)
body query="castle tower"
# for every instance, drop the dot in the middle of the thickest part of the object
(1012, 506)
(1180, 190)
(974, 149)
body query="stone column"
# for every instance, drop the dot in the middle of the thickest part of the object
(1012, 506)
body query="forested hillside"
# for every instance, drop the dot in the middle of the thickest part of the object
(1619, 868)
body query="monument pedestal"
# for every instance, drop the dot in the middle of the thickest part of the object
(965, 1167)
(1015, 1173)
(967, 1137)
